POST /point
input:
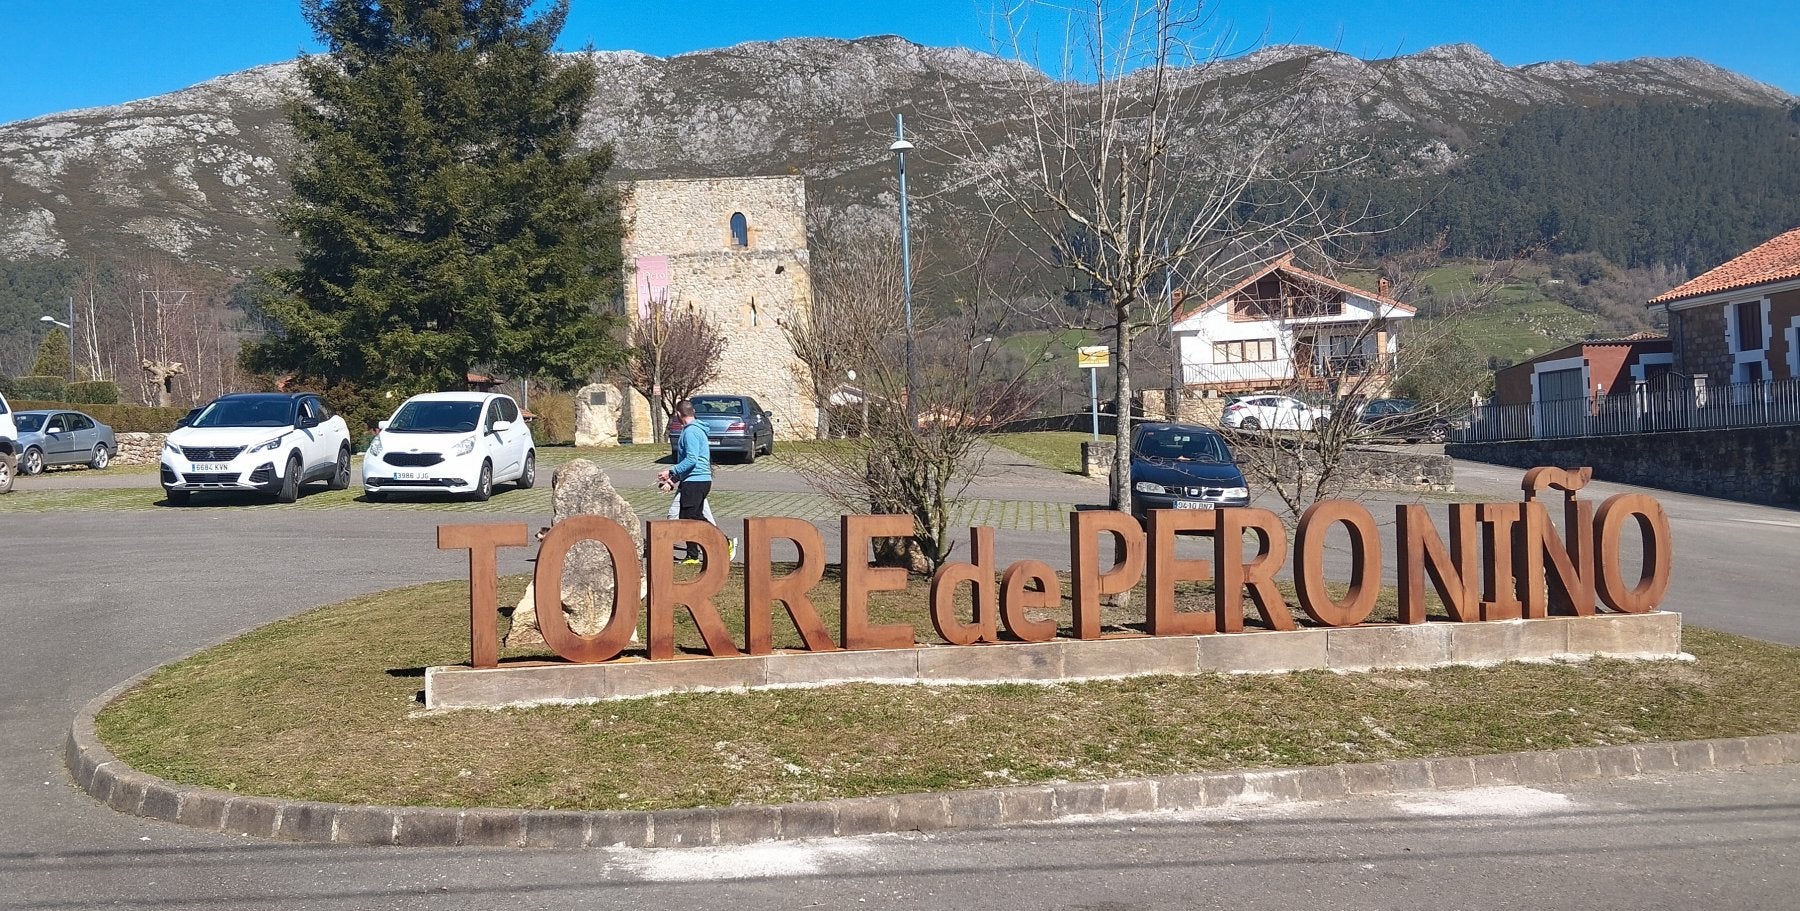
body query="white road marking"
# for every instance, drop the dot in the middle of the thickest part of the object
(1502, 801)
(764, 861)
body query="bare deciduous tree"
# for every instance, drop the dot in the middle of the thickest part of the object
(670, 354)
(856, 292)
(1131, 166)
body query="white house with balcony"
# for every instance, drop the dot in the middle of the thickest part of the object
(1289, 330)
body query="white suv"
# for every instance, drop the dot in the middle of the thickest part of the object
(450, 442)
(9, 446)
(272, 442)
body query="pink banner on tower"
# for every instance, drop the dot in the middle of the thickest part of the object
(652, 283)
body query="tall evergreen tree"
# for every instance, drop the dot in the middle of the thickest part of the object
(446, 217)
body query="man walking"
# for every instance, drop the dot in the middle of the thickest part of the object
(692, 471)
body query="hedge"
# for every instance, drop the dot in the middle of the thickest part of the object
(121, 418)
(41, 388)
(96, 392)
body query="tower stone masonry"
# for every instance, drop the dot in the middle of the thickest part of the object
(734, 248)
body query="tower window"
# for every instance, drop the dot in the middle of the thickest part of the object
(740, 230)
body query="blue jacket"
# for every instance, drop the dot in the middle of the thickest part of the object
(693, 453)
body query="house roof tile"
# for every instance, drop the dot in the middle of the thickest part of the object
(1776, 259)
(1286, 264)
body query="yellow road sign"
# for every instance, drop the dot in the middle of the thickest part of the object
(1093, 356)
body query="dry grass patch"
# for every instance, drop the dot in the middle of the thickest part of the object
(324, 706)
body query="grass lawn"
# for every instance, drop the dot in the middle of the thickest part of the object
(1056, 449)
(323, 706)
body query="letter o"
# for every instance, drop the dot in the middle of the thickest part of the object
(1653, 580)
(606, 644)
(1309, 563)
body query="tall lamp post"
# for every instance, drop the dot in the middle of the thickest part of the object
(900, 147)
(70, 326)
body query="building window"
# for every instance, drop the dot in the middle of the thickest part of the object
(740, 230)
(1255, 349)
(1749, 326)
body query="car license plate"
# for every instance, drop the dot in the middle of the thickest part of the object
(212, 466)
(1192, 504)
(409, 475)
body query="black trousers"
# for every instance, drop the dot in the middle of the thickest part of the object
(693, 505)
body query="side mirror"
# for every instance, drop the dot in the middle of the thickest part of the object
(307, 421)
(181, 421)
(382, 425)
(500, 426)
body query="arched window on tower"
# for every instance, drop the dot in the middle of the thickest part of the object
(740, 230)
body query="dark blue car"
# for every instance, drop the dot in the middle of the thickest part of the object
(1183, 466)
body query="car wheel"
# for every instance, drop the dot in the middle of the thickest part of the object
(1250, 424)
(1437, 435)
(771, 449)
(32, 462)
(340, 479)
(176, 497)
(6, 473)
(751, 453)
(290, 482)
(102, 457)
(484, 485)
(528, 477)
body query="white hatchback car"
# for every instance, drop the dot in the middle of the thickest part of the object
(450, 442)
(1273, 412)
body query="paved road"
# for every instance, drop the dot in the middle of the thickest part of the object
(100, 595)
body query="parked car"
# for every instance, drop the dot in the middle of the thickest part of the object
(273, 442)
(1183, 466)
(1402, 419)
(1272, 412)
(49, 438)
(450, 442)
(735, 423)
(9, 446)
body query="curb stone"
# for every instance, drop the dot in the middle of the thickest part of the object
(102, 776)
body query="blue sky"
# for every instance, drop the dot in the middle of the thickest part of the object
(65, 54)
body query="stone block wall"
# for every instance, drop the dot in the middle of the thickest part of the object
(139, 448)
(1193, 407)
(1750, 464)
(1700, 344)
(747, 290)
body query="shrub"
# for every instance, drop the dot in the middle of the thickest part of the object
(97, 392)
(121, 418)
(44, 388)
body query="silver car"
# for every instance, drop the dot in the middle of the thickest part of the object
(48, 438)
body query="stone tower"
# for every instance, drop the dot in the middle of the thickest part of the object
(735, 247)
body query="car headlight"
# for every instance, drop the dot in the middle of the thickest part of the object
(171, 449)
(1235, 493)
(267, 444)
(465, 447)
(1148, 487)
(374, 450)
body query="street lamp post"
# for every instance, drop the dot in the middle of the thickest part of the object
(900, 147)
(70, 326)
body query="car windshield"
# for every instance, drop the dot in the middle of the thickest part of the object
(270, 412)
(436, 417)
(1182, 446)
(718, 408)
(28, 423)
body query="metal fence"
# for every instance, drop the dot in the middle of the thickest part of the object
(1643, 409)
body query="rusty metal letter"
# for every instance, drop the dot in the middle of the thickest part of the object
(1233, 574)
(695, 594)
(984, 602)
(1089, 584)
(1309, 563)
(794, 590)
(1571, 589)
(546, 583)
(1166, 570)
(1015, 599)
(1453, 571)
(1653, 579)
(482, 541)
(1500, 521)
(860, 579)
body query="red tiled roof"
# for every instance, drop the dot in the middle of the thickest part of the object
(1774, 260)
(1286, 264)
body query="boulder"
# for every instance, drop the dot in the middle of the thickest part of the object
(581, 488)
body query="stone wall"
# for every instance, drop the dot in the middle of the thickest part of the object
(1196, 407)
(1751, 464)
(139, 448)
(748, 290)
(1700, 343)
(1361, 469)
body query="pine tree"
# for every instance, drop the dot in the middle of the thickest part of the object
(53, 355)
(446, 217)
